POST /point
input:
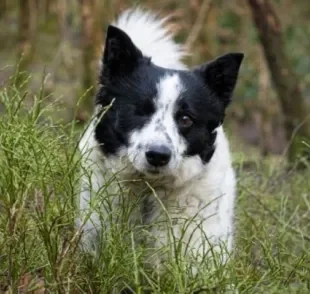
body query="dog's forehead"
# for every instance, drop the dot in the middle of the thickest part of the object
(169, 89)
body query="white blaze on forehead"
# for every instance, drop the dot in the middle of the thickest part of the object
(162, 127)
(169, 89)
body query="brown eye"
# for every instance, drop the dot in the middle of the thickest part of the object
(184, 121)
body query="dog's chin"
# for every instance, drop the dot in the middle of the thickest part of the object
(154, 174)
(149, 172)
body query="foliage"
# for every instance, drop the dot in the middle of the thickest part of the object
(39, 176)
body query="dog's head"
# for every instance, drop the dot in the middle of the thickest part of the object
(163, 121)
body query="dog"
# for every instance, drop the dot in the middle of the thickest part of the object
(157, 129)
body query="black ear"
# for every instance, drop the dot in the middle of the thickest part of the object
(120, 54)
(221, 75)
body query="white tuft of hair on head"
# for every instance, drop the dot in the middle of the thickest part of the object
(149, 34)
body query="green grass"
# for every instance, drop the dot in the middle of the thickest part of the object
(39, 179)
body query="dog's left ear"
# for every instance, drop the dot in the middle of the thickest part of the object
(221, 75)
(120, 54)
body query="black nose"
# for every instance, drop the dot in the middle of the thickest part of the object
(158, 155)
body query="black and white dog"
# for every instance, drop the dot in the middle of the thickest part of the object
(164, 126)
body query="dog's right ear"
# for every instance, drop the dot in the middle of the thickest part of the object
(120, 54)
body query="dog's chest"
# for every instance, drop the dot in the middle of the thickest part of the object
(186, 202)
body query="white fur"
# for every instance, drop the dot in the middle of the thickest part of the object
(148, 33)
(189, 189)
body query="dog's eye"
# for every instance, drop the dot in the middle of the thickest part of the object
(184, 121)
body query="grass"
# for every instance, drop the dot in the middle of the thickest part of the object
(39, 180)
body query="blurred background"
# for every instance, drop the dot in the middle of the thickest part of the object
(59, 43)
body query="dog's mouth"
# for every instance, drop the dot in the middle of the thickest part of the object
(157, 176)
(154, 175)
(153, 172)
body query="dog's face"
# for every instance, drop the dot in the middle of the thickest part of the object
(162, 121)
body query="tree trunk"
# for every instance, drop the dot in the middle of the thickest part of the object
(46, 8)
(285, 80)
(265, 120)
(2, 8)
(25, 37)
(88, 57)
(62, 12)
(24, 27)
